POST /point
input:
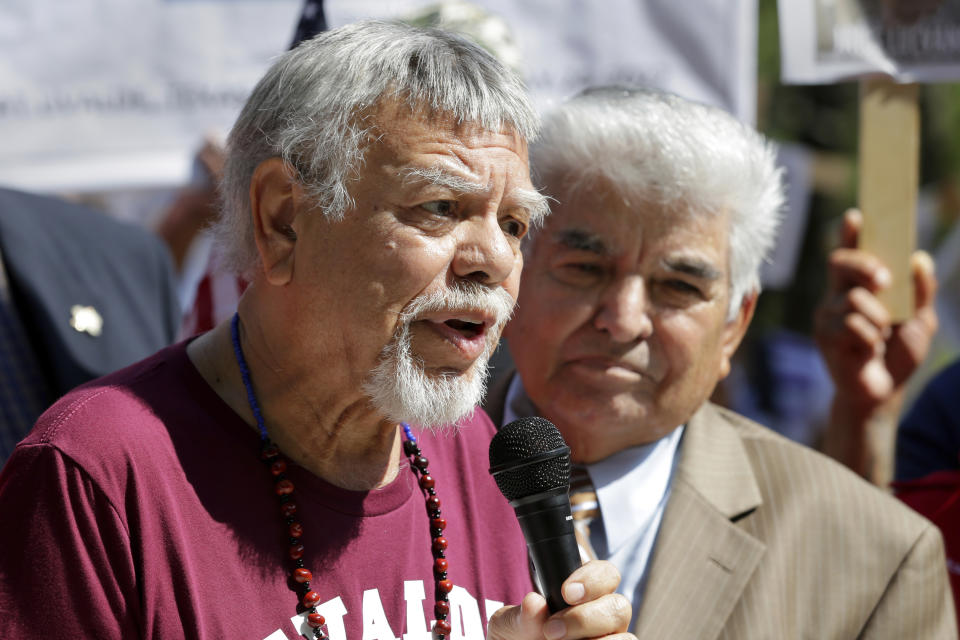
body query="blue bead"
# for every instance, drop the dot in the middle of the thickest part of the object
(245, 375)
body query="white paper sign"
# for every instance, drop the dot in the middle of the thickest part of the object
(824, 41)
(108, 94)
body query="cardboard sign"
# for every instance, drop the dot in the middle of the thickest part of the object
(889, 172)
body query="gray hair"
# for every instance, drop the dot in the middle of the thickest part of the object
(309, 109)
(662, 149)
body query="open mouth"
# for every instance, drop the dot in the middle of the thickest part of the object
(466, 328)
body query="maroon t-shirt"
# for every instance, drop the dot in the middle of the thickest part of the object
(138, 508)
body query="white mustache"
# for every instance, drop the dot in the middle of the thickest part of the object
(463, 297)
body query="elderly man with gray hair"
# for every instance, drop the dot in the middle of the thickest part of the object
(635, 294)
(282, 474)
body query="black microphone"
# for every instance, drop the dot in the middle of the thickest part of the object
(531, 464)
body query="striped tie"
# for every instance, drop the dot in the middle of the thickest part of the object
(23, 393)
(585, 510)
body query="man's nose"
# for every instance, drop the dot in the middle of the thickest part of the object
(485, 254)
(623, 311)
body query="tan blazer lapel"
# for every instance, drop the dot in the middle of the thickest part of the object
(702, 560)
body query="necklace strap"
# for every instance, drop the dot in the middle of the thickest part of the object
(283, 488)
(245, 376)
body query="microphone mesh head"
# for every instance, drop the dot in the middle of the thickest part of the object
(515, 458)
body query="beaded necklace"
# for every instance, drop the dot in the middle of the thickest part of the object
(283, 488)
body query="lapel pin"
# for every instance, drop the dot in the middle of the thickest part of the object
(86, 320)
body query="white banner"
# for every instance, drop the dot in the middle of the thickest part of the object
(115, 94)
(702, 49)
(825, 41)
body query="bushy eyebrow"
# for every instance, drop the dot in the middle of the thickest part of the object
(535, 203)
(580, 240)
(440, 178)
(693, 267)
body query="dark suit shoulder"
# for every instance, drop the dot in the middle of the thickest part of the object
(60, 255)
(64, 219)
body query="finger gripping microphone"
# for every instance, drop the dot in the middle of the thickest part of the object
(531, 464)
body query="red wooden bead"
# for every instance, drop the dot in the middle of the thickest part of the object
(296, 551)
(427, 482)
(283, 487)
(315, 620)
(440, 565)
(439, 543)
(302, 575)
(441, 608)
(438, 523)
(445, 586)
(420, 462)
(296, 530)
(441, 627)
(270, 452)
(311, 599)
(278, 467)
(287, 509)
(433, 503)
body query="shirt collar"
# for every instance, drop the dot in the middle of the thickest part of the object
(516, 403)
(632, 483)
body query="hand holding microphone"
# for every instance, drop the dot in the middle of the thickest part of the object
(531, 464)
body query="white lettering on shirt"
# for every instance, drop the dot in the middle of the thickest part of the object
(416, 623)
(375, 625)
(464, 616)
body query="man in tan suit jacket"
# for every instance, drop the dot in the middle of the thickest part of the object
(634, 297)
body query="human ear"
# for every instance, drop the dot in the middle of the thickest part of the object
(275, 199)
(734, 331)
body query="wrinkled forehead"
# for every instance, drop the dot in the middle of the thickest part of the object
(390, 116)
(585, 188)
(423, 149)
(594, 216)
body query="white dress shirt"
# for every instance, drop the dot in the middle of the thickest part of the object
(634, 484)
